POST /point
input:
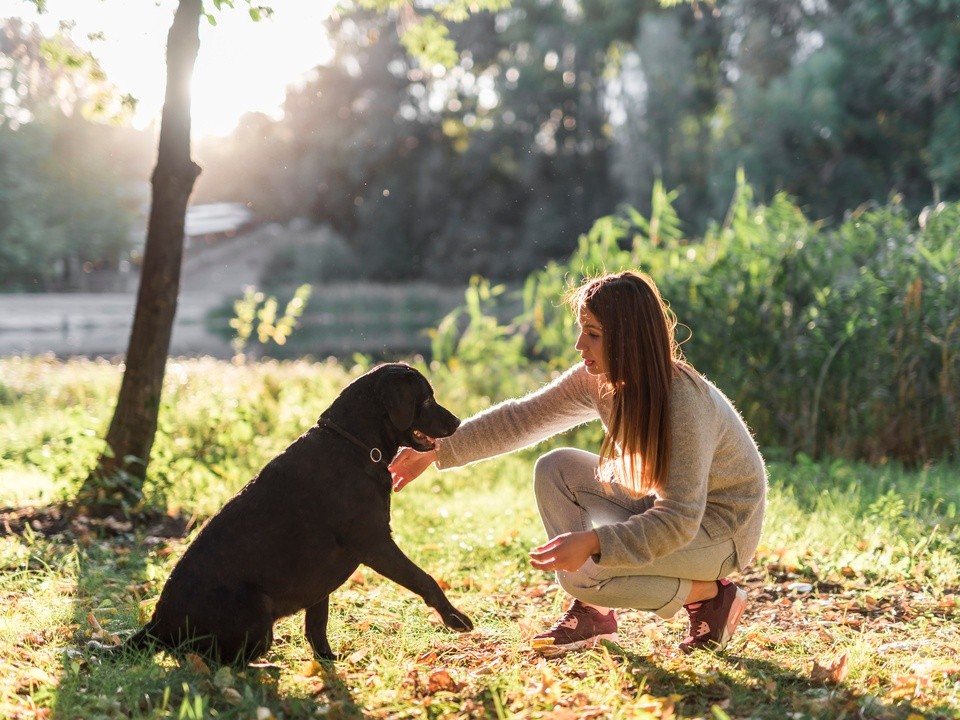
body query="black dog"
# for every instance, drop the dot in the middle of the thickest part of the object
(302, 526)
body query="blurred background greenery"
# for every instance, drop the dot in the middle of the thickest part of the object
(554, 115)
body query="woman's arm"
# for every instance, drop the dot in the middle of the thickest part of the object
(568, 401)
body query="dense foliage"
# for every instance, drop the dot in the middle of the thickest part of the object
(839, 342)
(551, 115)
(556, 112)
(71, 186)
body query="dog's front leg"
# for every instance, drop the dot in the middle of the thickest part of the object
(391, 562)
(315, 628)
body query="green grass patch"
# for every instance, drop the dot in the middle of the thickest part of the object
(853, 593)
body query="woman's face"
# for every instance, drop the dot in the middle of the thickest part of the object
(590, 342)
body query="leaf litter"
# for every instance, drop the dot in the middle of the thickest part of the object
(800, 631)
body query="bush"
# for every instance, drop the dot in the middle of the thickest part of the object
(841, 342)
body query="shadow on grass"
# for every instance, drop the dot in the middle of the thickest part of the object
(743, 686)
(104, 574)
(109, 573)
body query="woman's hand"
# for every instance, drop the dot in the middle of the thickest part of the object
(566, 552)
(408, 464)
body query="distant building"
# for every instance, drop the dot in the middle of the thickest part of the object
(212, 222)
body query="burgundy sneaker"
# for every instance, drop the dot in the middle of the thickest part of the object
(713, 621)
(580, 627)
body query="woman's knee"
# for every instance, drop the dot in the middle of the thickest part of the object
(582, 588)
(551, 468)
(547, 469)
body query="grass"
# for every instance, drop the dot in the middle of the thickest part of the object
(853, 593)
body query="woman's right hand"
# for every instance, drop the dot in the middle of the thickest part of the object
(408, 464)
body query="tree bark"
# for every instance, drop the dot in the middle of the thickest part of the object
(121, 468)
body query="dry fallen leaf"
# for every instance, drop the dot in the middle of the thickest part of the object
(832, 673)
(440, 680)
(935, 667)
(413, 680)
(232, 696)
(33, 678)
(311, 668)
(527, 628)
(197, 664)
(34, 639)
(908, 686)
(428, 658)
(549, 685)
(358, 655)
(100, 634)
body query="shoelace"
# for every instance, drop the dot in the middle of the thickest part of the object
(698, 627)
(569, 619)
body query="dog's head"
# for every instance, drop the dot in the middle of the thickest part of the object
(411, 408)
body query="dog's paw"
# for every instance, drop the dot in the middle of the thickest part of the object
(456, 620)
(325, 653)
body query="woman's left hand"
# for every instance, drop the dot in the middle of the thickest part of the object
(566, 552)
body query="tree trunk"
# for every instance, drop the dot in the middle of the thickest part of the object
(121, 469)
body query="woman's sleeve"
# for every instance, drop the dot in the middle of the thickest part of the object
(511, 425)
(677, 511)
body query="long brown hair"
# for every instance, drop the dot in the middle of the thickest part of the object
(643, 357)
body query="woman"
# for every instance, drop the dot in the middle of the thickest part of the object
(673, 502)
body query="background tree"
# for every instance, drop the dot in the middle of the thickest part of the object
(671, 81)
(490, 167)
(119, 473)
(68, 181)
(865, 104)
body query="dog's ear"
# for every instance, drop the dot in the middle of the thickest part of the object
(398, 393)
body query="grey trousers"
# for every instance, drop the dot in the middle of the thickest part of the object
(572, 499)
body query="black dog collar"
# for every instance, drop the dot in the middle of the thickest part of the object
(376, 456)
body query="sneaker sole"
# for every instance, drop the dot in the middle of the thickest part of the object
(550, 650)
(733, 619)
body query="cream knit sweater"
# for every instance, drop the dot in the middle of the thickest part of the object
(716, 477)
